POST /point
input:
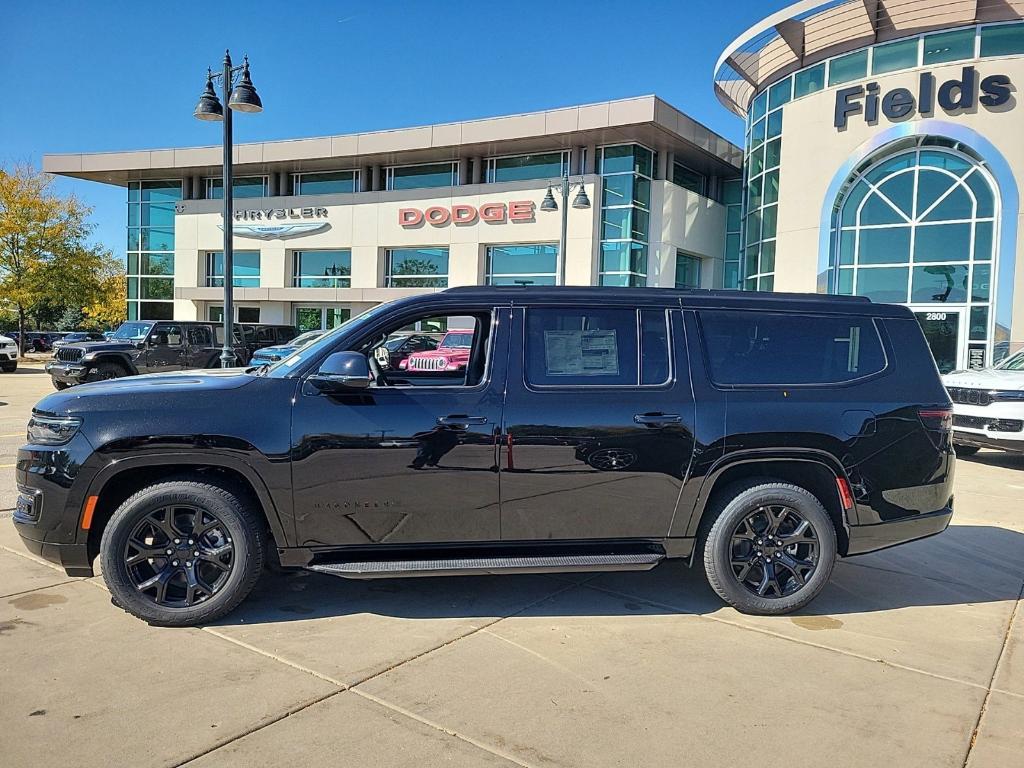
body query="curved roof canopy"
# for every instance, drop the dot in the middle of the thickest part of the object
(812, 30)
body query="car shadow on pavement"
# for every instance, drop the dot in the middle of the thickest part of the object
(996, 459)
(27, 370)
(965, 565)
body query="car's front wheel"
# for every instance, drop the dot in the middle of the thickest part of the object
(9, 367)
(771, 548)
(104, 371)
(182, 552)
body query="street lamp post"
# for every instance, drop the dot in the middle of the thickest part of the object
(238, 94)
(549, 204)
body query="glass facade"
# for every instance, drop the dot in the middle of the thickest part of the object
(732, 199)
(687, 270)
(150, 253)
(761, 195)
(626, 172)
(549, 165)
(687, 178)
(916, 226)
(522, 264)
(323, 269)
(320, 318)
(421, 176)
(243, 186)
(246, 269)
(328, 183)
(416, 268)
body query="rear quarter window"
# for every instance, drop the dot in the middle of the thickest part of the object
(760, 348)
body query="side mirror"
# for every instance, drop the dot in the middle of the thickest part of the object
(342, 371)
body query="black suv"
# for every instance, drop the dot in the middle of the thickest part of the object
(140, 347)
(760, 435)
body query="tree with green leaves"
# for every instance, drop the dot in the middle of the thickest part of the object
(42, 243)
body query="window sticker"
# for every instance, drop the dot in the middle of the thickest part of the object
(581, 353)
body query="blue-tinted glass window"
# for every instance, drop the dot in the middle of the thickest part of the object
(894, 56)
(323, 269)
(417, 268)
(780, 93)
(852, 66)
(521, 264)
(246, 272)
(422, 176)
(939, 283)
(809, 80)
(540, 166)
(949, 46)
(328, 183)
(687, 270)
(943, 242)
(1002, 40)
(885, 245)
(885, 285)
(243, 187)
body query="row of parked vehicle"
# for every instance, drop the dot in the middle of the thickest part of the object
(47, 341)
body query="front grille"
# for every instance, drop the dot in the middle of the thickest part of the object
(992, 425)
(427, 363)
(968, 396)
(69, 354)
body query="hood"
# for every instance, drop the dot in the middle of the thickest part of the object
(987, 378)
(95, 346)
(155, 389)
(6, 339)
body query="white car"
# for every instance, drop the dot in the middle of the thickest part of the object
(988, 407)
(8, 355)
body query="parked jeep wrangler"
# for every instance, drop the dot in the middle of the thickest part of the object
(139, 347)
(759, 435)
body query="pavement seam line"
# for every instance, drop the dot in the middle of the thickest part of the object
(763, 631)
(437, 726)
(38, 589)
(51, 566)
(991, 682)
(275, 657)
(293, 710)
(351, 687)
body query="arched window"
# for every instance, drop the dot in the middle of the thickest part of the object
(916, 224)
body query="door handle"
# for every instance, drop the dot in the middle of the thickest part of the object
(657, 419)
(459, 420)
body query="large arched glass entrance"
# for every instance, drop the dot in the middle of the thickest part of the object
(916, 224)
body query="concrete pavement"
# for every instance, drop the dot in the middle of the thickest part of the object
(911, 657)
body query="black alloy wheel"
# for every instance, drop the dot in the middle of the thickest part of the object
(611, 459)
(184, 551)
(179, 556)
(769, 548)
(774, 551)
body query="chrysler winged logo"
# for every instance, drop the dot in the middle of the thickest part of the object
(271, 231)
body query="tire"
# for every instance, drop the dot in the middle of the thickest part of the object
(9, 367)
(59, 385)
(105, 371)
(180, 595)
(965, 450)
(734, 538)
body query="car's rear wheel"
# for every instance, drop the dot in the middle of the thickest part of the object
(965, 450)
(104, 371)
(182, 552)
(771, 548)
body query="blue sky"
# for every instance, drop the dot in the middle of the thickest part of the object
(105, 75)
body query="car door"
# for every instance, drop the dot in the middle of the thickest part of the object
(598, 425)
(165, 348)
(413, 458)
(200, 346)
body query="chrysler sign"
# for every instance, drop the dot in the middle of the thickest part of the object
(272, 223)
(492, 213)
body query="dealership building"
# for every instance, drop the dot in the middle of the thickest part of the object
(882, 150)
(327, 227)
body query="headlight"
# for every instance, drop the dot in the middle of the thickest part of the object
(50, 430)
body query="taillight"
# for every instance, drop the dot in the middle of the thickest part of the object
(939, 419)
(845, 496)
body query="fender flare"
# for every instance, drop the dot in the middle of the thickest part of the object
(761, 455)
(210, 459)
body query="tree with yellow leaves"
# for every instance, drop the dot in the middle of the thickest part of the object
(38, 230)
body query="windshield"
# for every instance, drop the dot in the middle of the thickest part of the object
(284, 367)
(458, 340)
(1013, 363)
(133, 331)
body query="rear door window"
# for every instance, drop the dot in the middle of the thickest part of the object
(759, 348)
(578, 346)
